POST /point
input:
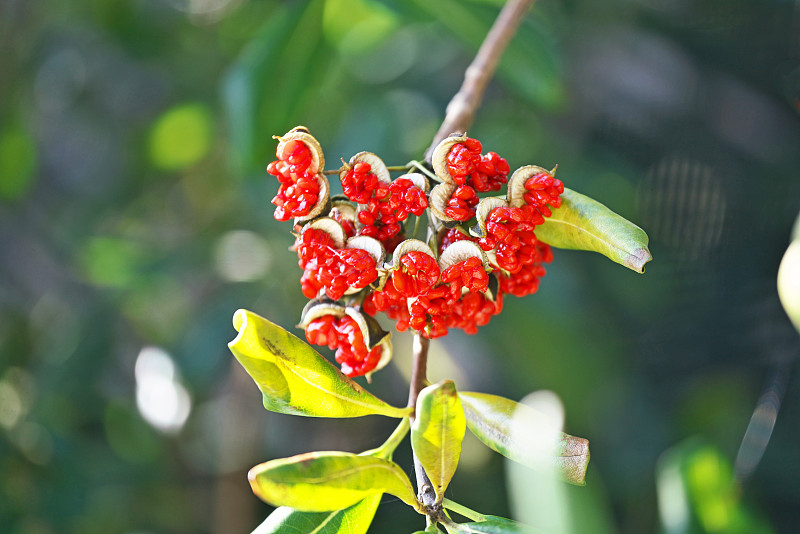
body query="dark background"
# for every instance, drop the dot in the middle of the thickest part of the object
(135, 219)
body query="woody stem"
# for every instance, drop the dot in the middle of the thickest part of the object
(459, 115)
(461, 110)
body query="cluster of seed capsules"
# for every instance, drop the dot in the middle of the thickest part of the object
(357, 260)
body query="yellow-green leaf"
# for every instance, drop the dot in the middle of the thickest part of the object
(492, 418)
(353, 520)
(582, 223)
(296, 379)
(326, 481)
(437, 433)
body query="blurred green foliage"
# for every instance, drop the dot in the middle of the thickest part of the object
(134, 213)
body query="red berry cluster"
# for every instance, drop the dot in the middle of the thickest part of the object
(388, 207)
(473, 174)
(455, 280)
(334, 270)
(345, 336)
(543, 189)
(299, 190)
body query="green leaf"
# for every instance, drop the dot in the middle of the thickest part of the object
(698, 492)
(353, 520)
(582, 223)
(326, 481)
(492, 525)
(437, 433)
(296, 379)
(289, 47)
(492, 418)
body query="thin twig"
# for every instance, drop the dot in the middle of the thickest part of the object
(425, 492)
(462, 107)
(458, 117)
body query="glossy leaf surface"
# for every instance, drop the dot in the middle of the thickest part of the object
(492, 525)
(353, 520)
(326, 481)
(437, 433)
(491, 419)
(296, 379)
(582, 223)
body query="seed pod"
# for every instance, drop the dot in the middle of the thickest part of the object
(300, 133)
(439, 157)
(371, 245)
(376, 164)
(417, 179)
(485, 207)
(330, 227)
(439, 197)
(374, 335)
(322, 205)
(345, 208)
(460, 251)
(407, 246)
(516, 184)
(317, 308)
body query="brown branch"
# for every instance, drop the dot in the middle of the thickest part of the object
(462, 107)
(458, 117)
(425, 491)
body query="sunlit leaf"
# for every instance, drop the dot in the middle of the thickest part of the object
(325, 481)
(698, 493)
(492, 525)
(582, 223)
(492, 418)
(296, 379)
(353, 520)
(437, 433)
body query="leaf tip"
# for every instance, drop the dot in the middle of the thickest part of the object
(239, 323)
(637, 259)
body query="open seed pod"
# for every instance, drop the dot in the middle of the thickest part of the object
(439, 156)
(374, 336)
(437, 202)
(378, 253)
(494, 288)
(371, 245)
(418, 179)
(377, 166)
(460, 251)
(344, 212)
(323, 201)
(344, 206)
(407, 246)
(516, 184)
(485, 207)
(300, 133)
(317, 308)
(329, 226)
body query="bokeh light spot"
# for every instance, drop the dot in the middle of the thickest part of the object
(161, 398)
(242, 256)
(181, 137)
